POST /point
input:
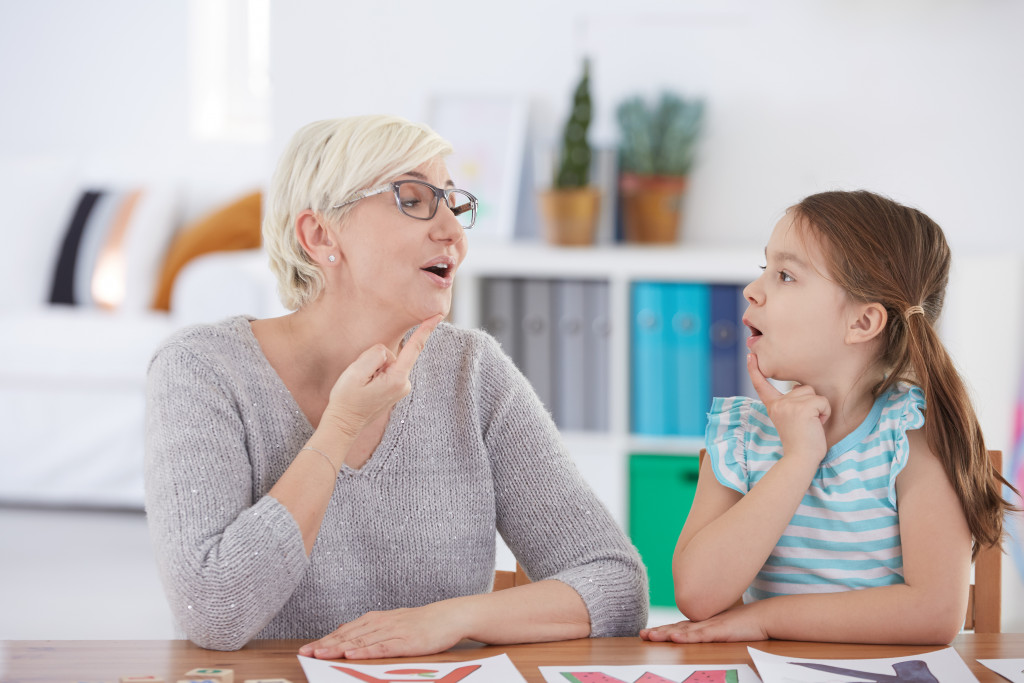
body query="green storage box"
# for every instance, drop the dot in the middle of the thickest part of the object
(661, 490)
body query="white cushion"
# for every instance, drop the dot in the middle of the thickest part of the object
(225, 283)
(153, 224)
(69, 345)
(38, 195)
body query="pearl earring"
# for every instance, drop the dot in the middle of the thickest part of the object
(331, 258)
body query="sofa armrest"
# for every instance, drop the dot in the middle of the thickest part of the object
(225, 283)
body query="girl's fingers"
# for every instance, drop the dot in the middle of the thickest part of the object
(765, 391)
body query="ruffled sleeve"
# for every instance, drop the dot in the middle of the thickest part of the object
(725, 440)
(904, 413)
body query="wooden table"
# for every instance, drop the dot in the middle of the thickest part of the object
(68, 661)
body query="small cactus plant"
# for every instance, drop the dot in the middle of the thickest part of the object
(574, 166)
(659, 141)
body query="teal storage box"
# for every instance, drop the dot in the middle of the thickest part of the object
(661, 490)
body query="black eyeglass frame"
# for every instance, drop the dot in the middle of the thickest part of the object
(439, 194)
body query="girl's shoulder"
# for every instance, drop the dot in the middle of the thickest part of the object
(735, 416)
(903, 409)
(737, 428)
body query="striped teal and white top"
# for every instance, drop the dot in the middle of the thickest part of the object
(845, 535)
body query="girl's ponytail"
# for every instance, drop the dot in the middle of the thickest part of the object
(881, 251)
(953, 431)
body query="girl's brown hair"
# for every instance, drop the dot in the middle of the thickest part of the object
(881, 251)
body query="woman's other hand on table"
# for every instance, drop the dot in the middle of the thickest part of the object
(396, 633)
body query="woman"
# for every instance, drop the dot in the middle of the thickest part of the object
(312, 476)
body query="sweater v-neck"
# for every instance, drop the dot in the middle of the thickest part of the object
(392, 431)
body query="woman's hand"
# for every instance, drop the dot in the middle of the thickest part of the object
(395, 633)
(799, 416)
(374, 382)
(739, 624)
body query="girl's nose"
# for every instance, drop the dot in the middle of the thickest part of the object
(752, 292)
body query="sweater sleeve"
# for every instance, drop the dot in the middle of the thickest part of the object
(549, 517)
(228, 563)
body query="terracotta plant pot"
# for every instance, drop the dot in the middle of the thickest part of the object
(651, 207)
(570, 216)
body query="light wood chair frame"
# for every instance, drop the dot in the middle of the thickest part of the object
(507, 579)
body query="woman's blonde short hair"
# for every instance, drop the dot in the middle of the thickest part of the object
(325, 163)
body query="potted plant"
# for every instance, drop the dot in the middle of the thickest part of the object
(656, 153)
(570, 208)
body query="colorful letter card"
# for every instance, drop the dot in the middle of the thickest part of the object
(651, 673)
(498, 669)
(941, 666)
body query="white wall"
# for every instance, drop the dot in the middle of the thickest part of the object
(104, 84)
(918, 99)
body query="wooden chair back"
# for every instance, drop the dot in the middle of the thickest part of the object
(985, 594)
(506, 579)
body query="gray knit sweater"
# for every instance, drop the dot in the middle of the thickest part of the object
(469, 451)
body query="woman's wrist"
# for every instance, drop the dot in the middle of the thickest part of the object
(332, 446)
(468, 615)
(327, 459)
(340, 426)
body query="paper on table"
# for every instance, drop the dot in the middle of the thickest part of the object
(1010, 669)
(941, 666)
(651, 673)
(497, 669)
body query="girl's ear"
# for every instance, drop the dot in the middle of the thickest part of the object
(314, 237)
(867, 322)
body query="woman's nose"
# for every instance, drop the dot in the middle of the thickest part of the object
(446, 226)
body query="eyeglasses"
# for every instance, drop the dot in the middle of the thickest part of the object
(419, 200)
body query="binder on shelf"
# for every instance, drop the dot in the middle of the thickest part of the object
(498, 314)
(690, 359)
(597, 358)
(537, 341)
(570, 360)
(648, 359)
(723, 338)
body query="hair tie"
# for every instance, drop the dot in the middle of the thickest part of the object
(911, 311)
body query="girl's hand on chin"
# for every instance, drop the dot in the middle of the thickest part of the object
(799, 416)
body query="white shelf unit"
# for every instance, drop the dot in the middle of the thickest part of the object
(603, 456)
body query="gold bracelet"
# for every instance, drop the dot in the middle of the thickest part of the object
(329, 461)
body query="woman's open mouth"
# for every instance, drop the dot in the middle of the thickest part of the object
(441, 270)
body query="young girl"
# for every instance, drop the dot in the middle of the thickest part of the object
(847, 509)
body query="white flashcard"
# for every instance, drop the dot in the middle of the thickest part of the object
(940, 666)
(1010, 669)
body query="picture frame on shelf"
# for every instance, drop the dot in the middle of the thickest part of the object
(488, 133)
